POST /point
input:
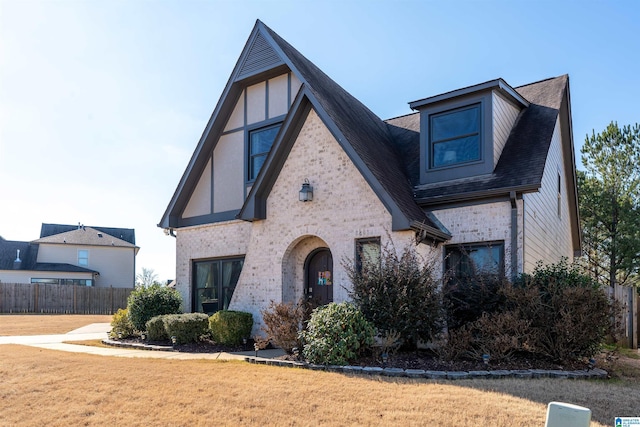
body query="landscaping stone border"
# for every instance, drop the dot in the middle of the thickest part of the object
(595, 373)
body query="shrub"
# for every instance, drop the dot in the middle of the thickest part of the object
(466, 300)
(121, 325)
(399, 294)
(283, 323)
(186, 328)
(230, 327)
(336, 334)
(156, 330)
(569, 312)
(155, 300)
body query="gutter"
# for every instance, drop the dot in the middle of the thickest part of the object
(475, 195)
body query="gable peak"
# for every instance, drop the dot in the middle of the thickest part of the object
(260, 55)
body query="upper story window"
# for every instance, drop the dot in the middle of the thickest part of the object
(83, 257)
(260, 142)
(454, 136)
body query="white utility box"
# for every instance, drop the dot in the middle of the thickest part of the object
(567, 415)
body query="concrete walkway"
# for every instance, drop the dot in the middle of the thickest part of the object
(99, 331)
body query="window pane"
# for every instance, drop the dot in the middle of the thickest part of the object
(468, 261)
(456, 151)
(261, 141)
(367, 253)
(83, 257)
(256, 165)
(230, 274)
(457, 123)
(206, 286)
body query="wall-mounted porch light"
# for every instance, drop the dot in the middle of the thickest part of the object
(306, 192)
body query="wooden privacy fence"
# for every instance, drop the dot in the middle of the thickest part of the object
(61, 299)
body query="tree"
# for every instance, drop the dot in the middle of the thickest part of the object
(609, 204)
(147, 278)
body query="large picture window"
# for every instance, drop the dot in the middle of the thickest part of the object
(454, 136)
(214, 282)
(469, 261)
(260, 142)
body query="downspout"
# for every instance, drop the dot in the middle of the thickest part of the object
(514, 235)
(632, 333)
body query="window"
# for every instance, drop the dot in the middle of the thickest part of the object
(260, 142)
(214, 282)
(468, 261)
(83, 257)
(73, 282)
(454, 137)
(367, 252)
(559, 196)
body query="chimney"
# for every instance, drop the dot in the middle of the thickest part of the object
(18, 262)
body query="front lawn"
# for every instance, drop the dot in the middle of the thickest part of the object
(58, 388)
(46, 324)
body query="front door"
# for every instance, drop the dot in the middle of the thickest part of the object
(319, 282)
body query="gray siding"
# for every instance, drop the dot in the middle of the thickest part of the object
(504, 116)
(547, 235)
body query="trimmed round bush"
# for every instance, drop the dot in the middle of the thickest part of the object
(186, 328)
(336, 334)
(230, 327)
(156, 330)
(146, 303)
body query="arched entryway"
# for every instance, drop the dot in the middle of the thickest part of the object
(319, 276)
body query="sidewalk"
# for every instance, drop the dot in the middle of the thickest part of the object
(98, 331)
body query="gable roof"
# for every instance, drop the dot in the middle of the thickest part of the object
(363, 136)
(85, 236)
(126, 234)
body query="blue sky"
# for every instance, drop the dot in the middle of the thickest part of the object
(103, 102)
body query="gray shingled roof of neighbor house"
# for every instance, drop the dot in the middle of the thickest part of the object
(126, 234)
(28, 259)
(85, 236)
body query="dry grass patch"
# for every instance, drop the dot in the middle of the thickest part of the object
(46, 324)
(57, 388)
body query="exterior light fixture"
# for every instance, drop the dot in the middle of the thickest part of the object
(306, 192)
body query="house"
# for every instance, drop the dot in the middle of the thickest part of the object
(72, 255)
(293, 176)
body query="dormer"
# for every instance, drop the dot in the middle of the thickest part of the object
(463, 132)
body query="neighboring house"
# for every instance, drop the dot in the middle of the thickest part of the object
(480, 177)
(73, 255)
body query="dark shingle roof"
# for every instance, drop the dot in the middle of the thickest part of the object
(28, 257)
(126, 234)
(9, 250)
(365, 132)
(524, 155)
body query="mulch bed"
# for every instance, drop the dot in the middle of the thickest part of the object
(420, 359)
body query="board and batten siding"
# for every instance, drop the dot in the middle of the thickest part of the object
(547, 235)
(222, 186)
(504, 116)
